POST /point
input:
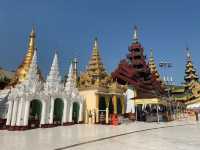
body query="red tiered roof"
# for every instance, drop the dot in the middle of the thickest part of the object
(136, 72)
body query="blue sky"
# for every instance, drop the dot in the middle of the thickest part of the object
(69, 26)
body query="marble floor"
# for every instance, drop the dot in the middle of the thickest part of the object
(177, 135)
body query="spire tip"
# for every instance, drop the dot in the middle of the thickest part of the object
(135, 34)
(95, 45)
(151, 52)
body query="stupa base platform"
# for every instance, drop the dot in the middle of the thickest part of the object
(68, 123)
(17, 128)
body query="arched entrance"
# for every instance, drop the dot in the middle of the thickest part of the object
(58, 111)
(35, 113)
(75, 112)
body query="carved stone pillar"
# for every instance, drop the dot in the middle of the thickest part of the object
(19, 114)
(97, 115)
(122, 104)
(97, 109)
(14, 113)
(64, 118)
(93, 116)
(43, 118)
(70, 112)
(26, 115)
(51, 111)
(107, 115)
(107, 100)
(86, 116)
(115, 103)
(81, 113)
(9, 114)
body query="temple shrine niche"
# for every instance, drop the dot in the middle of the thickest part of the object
(103, 95)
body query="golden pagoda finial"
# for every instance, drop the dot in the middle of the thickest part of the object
(33, 29)
(135, 34)
(31, 44)
(151, 52)
(22, 70)
(95, 46)
(189, 57)
(152, 66)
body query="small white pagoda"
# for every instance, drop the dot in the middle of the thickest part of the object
(35, 103)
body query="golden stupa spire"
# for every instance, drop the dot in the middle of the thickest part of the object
(31, 47)
(95, 65)
(190, 71)
(95, 47)
(95, 73)
(22, 70)
(152, 65)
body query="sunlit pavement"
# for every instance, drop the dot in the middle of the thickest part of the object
(177, 135)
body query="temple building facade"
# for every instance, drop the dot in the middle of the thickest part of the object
(192, 85)
(19, 75)
(93, 96)
(34, 102)
(143, 77)
(135, 71)
(190, 90)
(191, 77)
(5, 78)
(103, 95)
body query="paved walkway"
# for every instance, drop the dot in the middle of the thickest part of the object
(180, 135)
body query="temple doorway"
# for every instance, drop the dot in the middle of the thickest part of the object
(35, 113)
(58, 111)
(119, 106)
(111, 108)
(102, 109)
(75, 112)
(102, 103)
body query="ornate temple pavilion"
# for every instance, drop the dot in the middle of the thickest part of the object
(35, 102)
(191, 77)
(135, 71)
(190, 91)
(192, 85)
(103, 95)
(143, 77)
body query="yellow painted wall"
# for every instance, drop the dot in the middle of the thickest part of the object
(90, 98)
